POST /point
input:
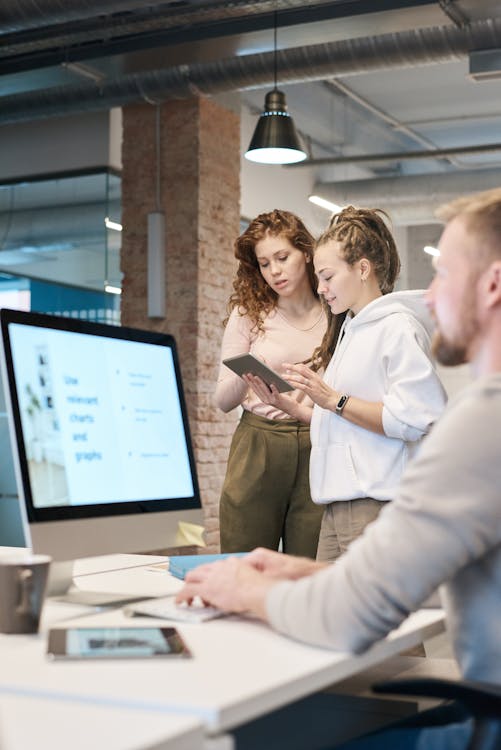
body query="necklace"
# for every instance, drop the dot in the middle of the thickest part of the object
(309, 328)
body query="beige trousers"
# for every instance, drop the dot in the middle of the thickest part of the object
(342, 522)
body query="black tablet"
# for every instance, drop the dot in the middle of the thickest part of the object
(115, 643)
(245, 363)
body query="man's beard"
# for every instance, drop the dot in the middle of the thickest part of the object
(456, 352)
(447, 353)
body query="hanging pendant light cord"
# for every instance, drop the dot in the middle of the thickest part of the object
(275, 140)
(275, 47)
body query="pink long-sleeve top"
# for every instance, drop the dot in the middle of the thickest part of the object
(278, 342)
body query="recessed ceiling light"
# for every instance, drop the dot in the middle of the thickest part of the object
(112, 225)
(323, 203)
(431, 250)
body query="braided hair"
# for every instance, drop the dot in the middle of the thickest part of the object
(362, 233)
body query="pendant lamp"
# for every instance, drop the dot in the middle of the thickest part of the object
(275, 139)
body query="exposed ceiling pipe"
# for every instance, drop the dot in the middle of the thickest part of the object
(454, 13)
(433, 153)
(347, 57)
(411, 199)
(382, 115)
(453, 119)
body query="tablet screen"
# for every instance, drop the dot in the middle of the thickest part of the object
(245, 363)
(115, 643)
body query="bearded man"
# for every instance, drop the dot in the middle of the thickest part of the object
(443, 527)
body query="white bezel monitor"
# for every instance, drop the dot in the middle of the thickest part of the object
(100, 435)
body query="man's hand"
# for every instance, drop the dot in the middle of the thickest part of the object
(282, 567)
(228, 584)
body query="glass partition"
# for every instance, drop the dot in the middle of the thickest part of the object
(72, 302)
(63, 228)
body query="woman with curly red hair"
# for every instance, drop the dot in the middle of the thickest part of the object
(274, 313)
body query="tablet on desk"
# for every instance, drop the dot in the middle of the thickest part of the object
(115, 643)
(244, 363)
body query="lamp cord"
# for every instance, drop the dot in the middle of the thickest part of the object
(275, 47)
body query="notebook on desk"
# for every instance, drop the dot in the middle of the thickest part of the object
(182, 564)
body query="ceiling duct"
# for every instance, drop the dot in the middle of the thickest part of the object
(404, 49)
(411, 199)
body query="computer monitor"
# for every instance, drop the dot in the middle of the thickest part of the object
(99, 435)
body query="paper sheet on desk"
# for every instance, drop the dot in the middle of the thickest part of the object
(190, 534)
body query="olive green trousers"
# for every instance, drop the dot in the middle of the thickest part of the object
(266, 492)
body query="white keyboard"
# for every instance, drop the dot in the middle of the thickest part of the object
(166, 608)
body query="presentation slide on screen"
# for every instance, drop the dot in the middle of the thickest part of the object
(101, 418)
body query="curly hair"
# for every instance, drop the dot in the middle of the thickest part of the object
(363, 233)
(251, 294)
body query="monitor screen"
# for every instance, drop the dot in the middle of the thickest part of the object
(99, 430)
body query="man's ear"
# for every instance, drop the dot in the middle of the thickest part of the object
(492, 285)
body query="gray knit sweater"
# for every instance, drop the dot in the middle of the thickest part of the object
(444, 527)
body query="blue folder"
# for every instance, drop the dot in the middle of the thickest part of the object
(182, 564)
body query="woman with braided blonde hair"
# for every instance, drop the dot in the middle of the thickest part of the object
(380, 393)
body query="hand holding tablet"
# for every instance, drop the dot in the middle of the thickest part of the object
(247, 363)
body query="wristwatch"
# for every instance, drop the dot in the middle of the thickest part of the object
(341, 403)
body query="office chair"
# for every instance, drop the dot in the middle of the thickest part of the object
(481, 700)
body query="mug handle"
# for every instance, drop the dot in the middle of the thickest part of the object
(25, 588)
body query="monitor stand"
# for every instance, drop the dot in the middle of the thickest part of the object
(61, 587)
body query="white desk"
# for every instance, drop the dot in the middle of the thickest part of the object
(28, 721)
(241, 669)
(112, 563)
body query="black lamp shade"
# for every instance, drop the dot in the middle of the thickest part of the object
(275, 140)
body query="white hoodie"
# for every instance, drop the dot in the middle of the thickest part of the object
(383, 354)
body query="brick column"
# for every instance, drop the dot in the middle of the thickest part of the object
(200, 195)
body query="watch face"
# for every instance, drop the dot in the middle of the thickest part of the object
(341, 403)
